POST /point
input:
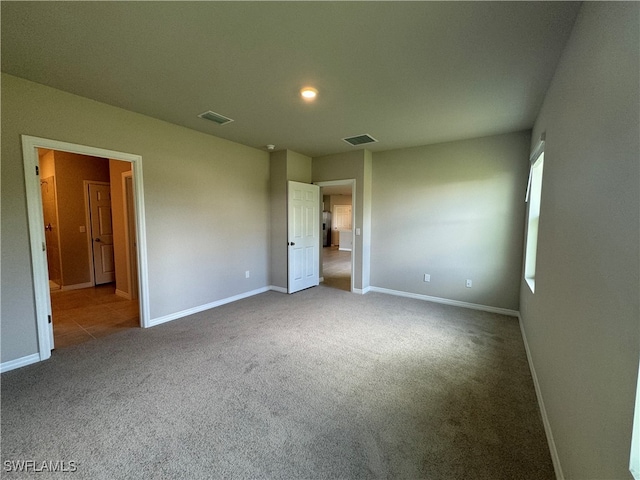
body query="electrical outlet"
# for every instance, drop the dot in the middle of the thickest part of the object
(247, 274)
(469, 283)
(427, 277)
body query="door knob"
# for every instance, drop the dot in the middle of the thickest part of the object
(292, 243)
(48, 227)
(96, 240)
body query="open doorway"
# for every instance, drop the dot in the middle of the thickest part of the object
(337, 227)
(86, 205)
(71, 283)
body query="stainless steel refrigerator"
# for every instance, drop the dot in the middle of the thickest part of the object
(326, 229)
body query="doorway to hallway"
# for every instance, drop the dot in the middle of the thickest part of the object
(337, 221)
(336, 268)
(41, 285)
(88, 218)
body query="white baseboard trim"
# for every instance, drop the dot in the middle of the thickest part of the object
(123, 294)
(344, 249)
(543, 411)
(362, 291)
(190, 311)
(19, 362)
(446, 301)
(278, 289)
(77, 286)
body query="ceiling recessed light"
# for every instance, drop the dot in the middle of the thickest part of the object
(308, 93)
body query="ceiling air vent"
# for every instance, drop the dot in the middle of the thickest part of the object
(215, 117)
(360, 140)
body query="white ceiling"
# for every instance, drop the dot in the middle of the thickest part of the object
(407, 73)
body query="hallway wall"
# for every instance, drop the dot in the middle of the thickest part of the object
(71, 172)
(116, 169)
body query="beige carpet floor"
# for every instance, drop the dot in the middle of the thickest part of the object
(319, 384)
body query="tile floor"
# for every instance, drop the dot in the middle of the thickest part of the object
(336, 268)
(81, 315)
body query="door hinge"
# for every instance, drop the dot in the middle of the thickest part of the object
(44, 247)
(37, 170)
(49, 317)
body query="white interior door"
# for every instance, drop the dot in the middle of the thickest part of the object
(101, 233)
(303, 236)
(51, 231)
(342, 217)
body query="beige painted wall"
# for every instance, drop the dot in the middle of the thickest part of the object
(583, 322)
(353, 165)
(71, 171)
(116, 169)
(298, 167)
(285, 165)
(206, 203)
(278, 222)
(339, 200)
(454, 211)
(46, 163)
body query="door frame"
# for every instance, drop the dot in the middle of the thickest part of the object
(89, 227)
(354, 248)
(129, 235)
(40, 274)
